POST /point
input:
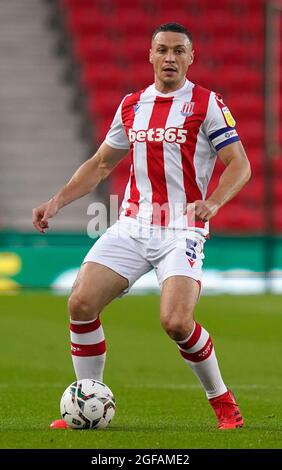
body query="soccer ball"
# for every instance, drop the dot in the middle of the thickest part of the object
(87, 404)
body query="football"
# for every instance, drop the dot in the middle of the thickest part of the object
(87, 404)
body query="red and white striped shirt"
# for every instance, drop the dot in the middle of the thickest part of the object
(173, 140)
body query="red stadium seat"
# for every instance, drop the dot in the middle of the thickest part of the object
(88, 21)
(243, 78)
(132, 22)
(142, 76)
(226, 23)
(278, 218)
(250, 131)
(77, 3)
(277, 166)
(136, 52)
(277, 189)
(100, 129)
(177, 15)
(127, 4)
(249, 104)
(235, 52)
(102, 77)
(91, 47)
(255, 156)
(103, 105)
(252, 194)
(237, 218)
(205, 77)
(168, 4)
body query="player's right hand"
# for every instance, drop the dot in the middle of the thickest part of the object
(41, 214)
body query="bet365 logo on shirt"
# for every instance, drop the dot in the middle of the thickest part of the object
(158, 134)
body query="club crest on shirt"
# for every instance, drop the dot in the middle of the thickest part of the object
(188, 109)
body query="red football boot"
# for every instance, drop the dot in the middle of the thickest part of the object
(59, 424)
(227, 411)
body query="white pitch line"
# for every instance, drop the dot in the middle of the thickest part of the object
(148, 386)
(32, 385)
(196, 386)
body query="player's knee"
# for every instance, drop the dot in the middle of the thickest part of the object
(80, 309)
(177, 327)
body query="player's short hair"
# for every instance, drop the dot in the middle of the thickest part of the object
(174, 27)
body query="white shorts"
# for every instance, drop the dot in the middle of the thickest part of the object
(132, 250)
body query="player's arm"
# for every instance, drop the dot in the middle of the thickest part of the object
(236, 174)
(84, 180)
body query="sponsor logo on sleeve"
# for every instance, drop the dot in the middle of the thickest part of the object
(230, 134)
(228, 117)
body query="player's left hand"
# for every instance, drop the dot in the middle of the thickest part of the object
(202, 210)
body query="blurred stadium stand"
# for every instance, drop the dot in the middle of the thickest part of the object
(39, 136)
(229, 37)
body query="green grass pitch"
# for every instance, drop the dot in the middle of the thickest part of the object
(159, 401)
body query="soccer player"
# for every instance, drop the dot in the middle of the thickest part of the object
(173, 130)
